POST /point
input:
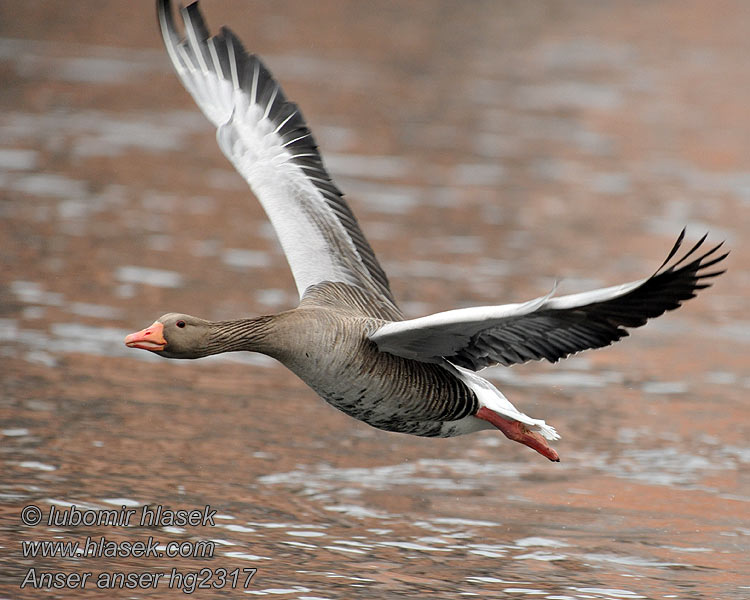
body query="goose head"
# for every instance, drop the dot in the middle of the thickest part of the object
(173, 335)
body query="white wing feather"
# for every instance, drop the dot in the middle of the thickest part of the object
(266, 139)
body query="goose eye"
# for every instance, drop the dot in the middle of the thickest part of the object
(180, 324)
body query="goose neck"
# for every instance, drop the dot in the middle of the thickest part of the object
(254, 335)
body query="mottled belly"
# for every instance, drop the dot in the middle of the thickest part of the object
(389, 413)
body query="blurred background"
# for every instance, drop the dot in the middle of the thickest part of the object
(488, 150)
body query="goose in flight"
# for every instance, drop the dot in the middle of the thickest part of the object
(347, 339)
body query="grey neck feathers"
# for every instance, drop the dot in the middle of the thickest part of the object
(254, 335)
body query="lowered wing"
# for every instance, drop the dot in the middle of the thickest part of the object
(548, 327)
(266, 139)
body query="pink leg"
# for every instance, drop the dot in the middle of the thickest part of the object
(518, 432)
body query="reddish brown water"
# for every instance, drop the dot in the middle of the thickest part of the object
(488, 148)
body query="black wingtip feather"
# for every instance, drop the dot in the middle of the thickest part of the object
(669, 287)
(674, 249)
(690, 252)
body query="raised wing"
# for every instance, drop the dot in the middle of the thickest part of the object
(548, 327)
(266, 139)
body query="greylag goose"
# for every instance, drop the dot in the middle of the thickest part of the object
(347, 339)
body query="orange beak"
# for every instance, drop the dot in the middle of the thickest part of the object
(151, 338)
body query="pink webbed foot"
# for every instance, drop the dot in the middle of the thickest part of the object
(518, 432)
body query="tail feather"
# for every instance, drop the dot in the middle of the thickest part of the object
(492, 398)
(546, 431)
